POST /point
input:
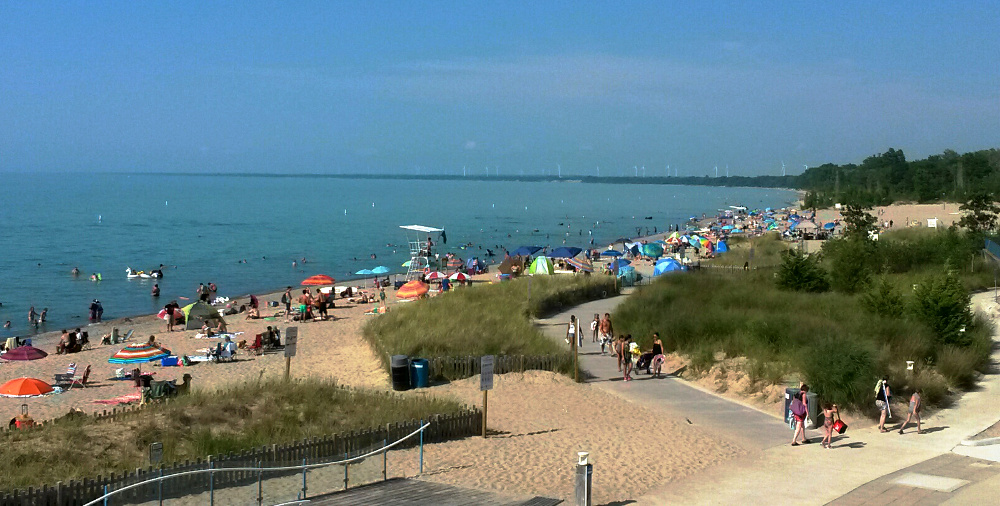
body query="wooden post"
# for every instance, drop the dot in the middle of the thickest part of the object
(485, 409)
(288, 367)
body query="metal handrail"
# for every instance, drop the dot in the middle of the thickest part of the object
(301, 467)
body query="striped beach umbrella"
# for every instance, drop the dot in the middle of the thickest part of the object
(138, 353)
(459, 276)
(436, 275)
(319, 279)
(582, 265)
(412, 290)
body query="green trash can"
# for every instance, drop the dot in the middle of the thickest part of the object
(420, 370)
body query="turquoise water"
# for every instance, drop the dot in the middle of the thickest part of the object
(202, 227)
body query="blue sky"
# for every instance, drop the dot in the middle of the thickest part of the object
(428, 87)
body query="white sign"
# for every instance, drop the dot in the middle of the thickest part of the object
(291, 340)
(486, 373)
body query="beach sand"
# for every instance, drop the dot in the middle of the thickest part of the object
(905, 215)
(538, 421)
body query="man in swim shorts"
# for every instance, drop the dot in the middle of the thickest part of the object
(606, 331)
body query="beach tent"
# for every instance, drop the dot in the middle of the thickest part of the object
(721, 247)
(541, 265)
(667, 265)
(627, 275)
(195, 314)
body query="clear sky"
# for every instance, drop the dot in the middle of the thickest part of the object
(393, 86)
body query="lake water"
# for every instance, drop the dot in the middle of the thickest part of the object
(203, 227)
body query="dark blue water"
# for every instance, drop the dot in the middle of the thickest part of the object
(203, 227)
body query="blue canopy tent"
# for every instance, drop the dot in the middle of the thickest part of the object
(524, 251)
(721, 247)
(627, 275)
(667, 265)
(565, 252)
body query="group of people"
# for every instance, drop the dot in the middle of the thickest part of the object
(206, 293)
(310, 306)
(624, 348)
(799, 409)
(71, 342)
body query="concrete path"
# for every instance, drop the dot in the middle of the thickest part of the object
(740, 424)
(865, 460)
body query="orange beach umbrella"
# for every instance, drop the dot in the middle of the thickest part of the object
(412, 289)
(319, 279)
(24, 387)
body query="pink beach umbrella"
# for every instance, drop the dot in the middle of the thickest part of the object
(24, 353)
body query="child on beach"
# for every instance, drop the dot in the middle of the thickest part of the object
(915, 405)
(828, 411)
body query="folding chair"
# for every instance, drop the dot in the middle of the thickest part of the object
(80, 380)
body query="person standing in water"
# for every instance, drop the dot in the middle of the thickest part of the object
(156, 290)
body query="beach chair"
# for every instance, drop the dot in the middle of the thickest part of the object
(67, 376)
(80, 380)
(257, 348)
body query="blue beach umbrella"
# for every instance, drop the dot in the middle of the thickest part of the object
(565, 252)
(611, 253)
(380, 270)
(652, 250)
(364, 272)
(524, 251)
(830, 226)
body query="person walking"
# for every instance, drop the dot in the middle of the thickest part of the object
(607, 332)
(658, 357)
(883, 395)
(828, 411)
(800, 409)
(916, 403)
(571, 331)
(627, 357)
(593, 327)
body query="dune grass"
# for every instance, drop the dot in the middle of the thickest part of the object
(202, 424)
(831, 340)
(488, 319)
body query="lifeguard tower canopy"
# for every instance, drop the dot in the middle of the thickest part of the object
(416, 238)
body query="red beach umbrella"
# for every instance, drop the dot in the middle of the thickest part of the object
(459, 276)
(436, 275)
(412, 290)
(24, 387)
(24, 353)
(319, 279)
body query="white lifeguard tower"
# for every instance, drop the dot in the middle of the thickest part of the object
(420, 254)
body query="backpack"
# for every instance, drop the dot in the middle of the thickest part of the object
(284, 298)
(797, 407)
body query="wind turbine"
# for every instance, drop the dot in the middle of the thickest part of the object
(716, 171)
(643, 171)
(636, 170)
(727, 170)
(598, 171)
(782, 168)
(559, 167)
(463, 171)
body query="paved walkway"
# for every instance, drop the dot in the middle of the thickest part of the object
(864, 465)
(405, 492)
(741, 424)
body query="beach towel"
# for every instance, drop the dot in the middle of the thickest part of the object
(231, 335)
(123, 399)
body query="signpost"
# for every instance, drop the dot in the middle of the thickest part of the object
(485, 383)
(155, 453)
(291, 340)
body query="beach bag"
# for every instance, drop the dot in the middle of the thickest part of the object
(798, 408)
(839, 425)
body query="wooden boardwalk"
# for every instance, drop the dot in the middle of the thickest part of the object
(405, 492)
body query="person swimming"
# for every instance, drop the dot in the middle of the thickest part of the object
(75, 271)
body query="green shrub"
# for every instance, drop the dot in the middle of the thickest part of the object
(839, 370)
(959, 365)
(802, 273)
(942, 303)
(851, 263)
(702, 360)
(884, 300)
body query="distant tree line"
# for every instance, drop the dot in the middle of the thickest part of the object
(888, 177)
